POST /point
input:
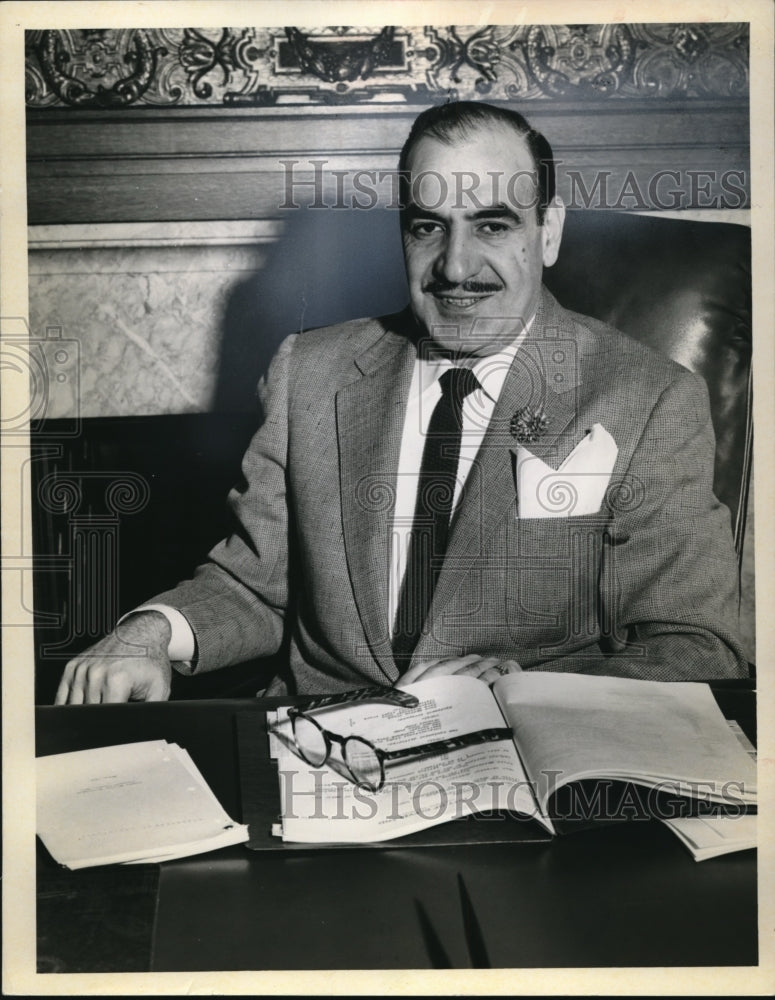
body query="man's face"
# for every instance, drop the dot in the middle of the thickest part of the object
(473, 247)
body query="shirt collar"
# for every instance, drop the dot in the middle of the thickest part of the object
(490, 370)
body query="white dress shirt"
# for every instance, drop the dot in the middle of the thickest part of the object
(424, 393)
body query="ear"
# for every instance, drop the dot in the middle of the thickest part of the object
(551, 235)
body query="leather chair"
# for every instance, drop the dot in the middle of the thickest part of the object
(682, 287)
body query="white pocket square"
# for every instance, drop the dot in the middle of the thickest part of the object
(577, 487)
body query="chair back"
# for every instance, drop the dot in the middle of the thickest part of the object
(683, 288)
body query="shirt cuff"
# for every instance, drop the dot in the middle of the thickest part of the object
(182, 645)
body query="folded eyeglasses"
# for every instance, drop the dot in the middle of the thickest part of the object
(364, 763)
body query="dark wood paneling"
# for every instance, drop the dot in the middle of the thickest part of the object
(220, 164)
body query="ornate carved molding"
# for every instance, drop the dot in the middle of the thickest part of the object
(341, 60)
(68, 77)
(191, 67)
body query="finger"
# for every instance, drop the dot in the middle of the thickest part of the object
(500, 669)
(63, 690)
(438, 668)
(491, 675)
(509, 667)
(75, 695)
(117, 688)
(414, 673)
(478, 666)
(95, 681)
(79, 682)
(472, 665)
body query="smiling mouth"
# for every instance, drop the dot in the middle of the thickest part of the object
(460, 301)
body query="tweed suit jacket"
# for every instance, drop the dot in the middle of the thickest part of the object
(645, 588)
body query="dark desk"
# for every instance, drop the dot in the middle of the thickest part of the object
(627, 895)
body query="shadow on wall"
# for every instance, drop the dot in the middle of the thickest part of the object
(330, 265)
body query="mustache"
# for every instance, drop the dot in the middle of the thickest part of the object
(472, 287)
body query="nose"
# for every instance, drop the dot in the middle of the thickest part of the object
(458, 258)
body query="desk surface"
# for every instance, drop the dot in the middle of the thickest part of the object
(626, 895)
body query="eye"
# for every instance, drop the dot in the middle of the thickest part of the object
(423, 228)
(493, 228)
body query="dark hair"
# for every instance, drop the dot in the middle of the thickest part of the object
(458, 119)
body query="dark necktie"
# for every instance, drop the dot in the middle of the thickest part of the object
(432, 512)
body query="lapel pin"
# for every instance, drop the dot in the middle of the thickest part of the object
(527, 425)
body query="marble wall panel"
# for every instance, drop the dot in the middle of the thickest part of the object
(149, 321)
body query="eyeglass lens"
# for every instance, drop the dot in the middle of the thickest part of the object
(363, 762)
(310, 740)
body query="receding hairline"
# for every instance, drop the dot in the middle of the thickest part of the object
(462, 133)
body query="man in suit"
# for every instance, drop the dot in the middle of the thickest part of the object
(482, 483)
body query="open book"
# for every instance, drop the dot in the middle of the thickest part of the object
(568, 743)
(136, 802)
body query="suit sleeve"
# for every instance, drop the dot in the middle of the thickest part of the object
(236, 601)
(669, 588)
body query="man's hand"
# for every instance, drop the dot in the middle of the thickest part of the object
(130, 664)
(486, 668)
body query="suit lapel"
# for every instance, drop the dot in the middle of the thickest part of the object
(370, 414)
(549, 351)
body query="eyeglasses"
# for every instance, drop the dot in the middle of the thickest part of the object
(365, 763)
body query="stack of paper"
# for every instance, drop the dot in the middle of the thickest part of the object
(137, 802)
(709, 836)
